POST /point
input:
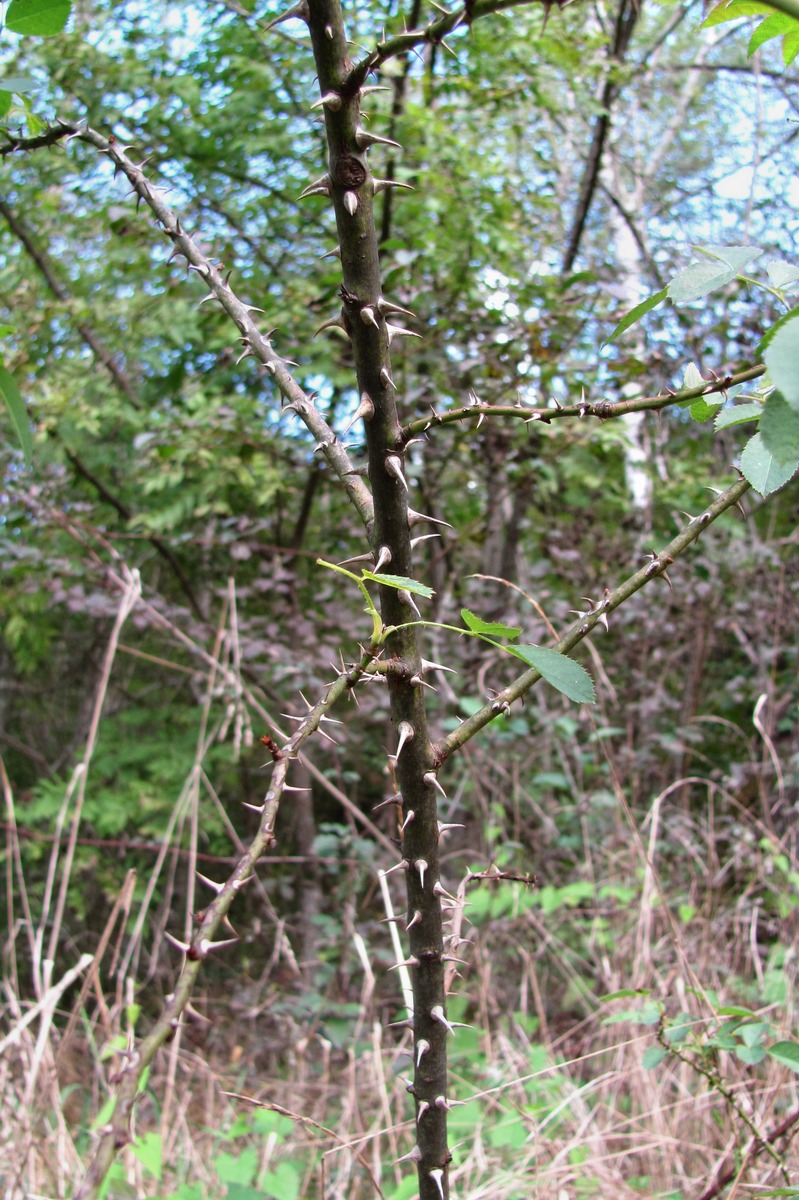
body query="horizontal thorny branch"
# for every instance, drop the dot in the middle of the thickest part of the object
(431, 35)
(597, 614)
(603, 410)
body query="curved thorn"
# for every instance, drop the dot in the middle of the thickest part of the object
(300, 11)
(406, 734)
(183, 946)
(330, 100)
(364, 139)
(393, 466)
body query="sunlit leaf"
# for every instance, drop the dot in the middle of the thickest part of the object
(563, 673)
(401, 583)
(740, 414)
(779, 429)
(147, 1149)
(692, 377)
(16, 408)
(790, 46)
(761, 468)
(774, 26)
(782, 274)
(635, 314)
(701, 278)
(782, 359)
(702, 411)
(730, 10)
(283, 1183)
(40, 18)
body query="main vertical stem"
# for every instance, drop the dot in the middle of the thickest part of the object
(364, 314)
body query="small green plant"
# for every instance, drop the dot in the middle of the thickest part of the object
(699, 1042)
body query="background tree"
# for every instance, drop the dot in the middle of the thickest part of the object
(179, 490)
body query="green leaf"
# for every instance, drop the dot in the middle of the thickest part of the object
(630, 1014)
(692, 377)
(237, 1168)
(779, 429)
(753, 1033)
(679, 1029)
(786, 1053)
(790, 46)
(741, 414)
(40, 18)
(489, 628)
(782, 359)
(282, 1183)
(751, 1055)
(701, 278)
(243, 1191)
(401, 583)
(770, 334)
(651, 1013)
(147, 1149)
(761, 468)
(635, 314)
(730, 10)
(702, 411)
(563, 673)
(653, 1057)
(19, 417)
(6, 100)
(774, 26)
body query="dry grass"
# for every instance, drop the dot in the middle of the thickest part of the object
(694, 904)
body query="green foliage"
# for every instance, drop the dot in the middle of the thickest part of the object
(563, 673)
(489, 628)
(16, 408)
(771, 457)
(38, 18)
(774, 25)
(197, 458)
(781, 355)
(764, 470)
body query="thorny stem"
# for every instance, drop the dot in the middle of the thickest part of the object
(718, 1085)
(116, 1133)
(367, 317)
(756, 1147)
